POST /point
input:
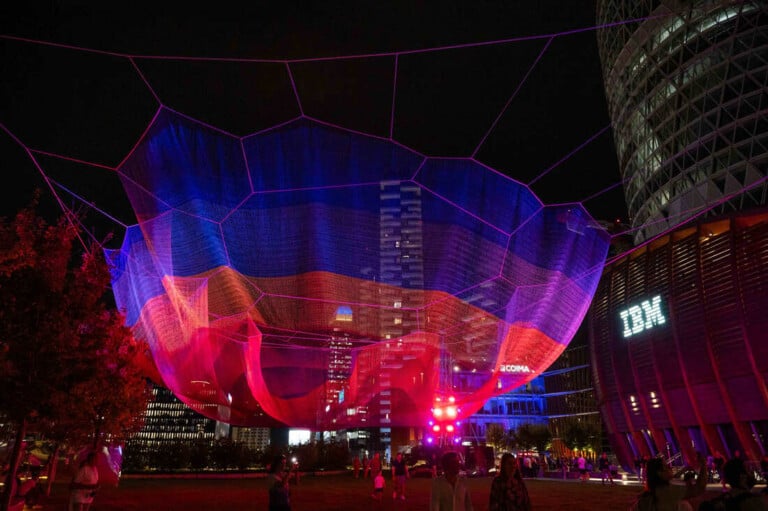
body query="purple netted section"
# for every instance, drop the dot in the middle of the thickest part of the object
(286, 269)
(322, 278)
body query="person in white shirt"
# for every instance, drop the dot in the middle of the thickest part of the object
(84, 485)
(582, 464)
(449, 493)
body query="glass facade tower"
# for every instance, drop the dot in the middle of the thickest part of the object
(686, 89)
(677, 338)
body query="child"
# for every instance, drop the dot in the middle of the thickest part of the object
(378, 486)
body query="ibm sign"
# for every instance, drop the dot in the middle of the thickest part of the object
(639, 318)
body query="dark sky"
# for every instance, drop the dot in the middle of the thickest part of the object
(94, 106)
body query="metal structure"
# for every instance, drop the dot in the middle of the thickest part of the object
(686, 90)
(677, 331)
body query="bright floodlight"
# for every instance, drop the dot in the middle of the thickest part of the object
(309, 268)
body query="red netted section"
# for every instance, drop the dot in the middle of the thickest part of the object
(317, 277)
(312, 272)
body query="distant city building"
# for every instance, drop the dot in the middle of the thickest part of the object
(524, 405)
(569, 394)
(167, 420)
(256, 439)
(678, 330)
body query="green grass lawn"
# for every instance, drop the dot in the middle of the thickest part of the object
(330, 493)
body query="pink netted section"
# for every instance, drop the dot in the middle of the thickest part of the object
(307, 274)
(317, 277)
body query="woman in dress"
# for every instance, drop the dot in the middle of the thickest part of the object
(508, 491)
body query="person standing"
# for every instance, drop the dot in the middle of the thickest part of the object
(604, 465)
(375, 464)
(366, 466)
(764, 467)
(378, 487)
(719, 461)
(85, 484)
(740, 496)
(508, 490)
(279, 489)
(449, 493)
(661, 495)
(356, 467)
(581, 462)
(399, 475)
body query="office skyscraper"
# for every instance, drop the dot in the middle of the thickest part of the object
(678, 341)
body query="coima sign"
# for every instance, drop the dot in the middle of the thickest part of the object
(514, 368)
(639, 318)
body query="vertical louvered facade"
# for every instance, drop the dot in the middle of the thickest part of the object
(678, 328)
(691, 375)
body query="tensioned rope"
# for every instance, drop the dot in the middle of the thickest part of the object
(56, 187)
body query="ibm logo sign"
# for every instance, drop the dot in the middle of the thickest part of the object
(645, 316)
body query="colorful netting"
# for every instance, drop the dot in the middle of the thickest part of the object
(324, 278)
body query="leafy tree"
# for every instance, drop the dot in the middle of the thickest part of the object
(533, 436)
(581, 435)
(200, 455)
(496, 436)
(67, 362)
(336, 455)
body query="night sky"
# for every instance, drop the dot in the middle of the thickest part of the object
(94, 106)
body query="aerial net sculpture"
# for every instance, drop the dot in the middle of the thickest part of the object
(312, 275)
(328, 278)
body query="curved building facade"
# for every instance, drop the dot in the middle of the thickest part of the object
(678, 328)
(679, 343)
(687, 90)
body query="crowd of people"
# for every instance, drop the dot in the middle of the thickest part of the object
(508, 491)
(660, 494)
(448, 492)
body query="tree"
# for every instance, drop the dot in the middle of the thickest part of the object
(581, 435)
(533, 436)
(64, 355)
(496, 436)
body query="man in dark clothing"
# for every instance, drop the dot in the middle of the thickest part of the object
(604, 464)
(740, 497)
(399, 475)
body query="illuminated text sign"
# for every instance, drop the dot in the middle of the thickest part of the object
(514, 368)
(639, 318)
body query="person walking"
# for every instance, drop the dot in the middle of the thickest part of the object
(84, 484)
(508, 490)
(449, 493)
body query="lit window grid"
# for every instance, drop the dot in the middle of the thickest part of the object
(660, 82)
